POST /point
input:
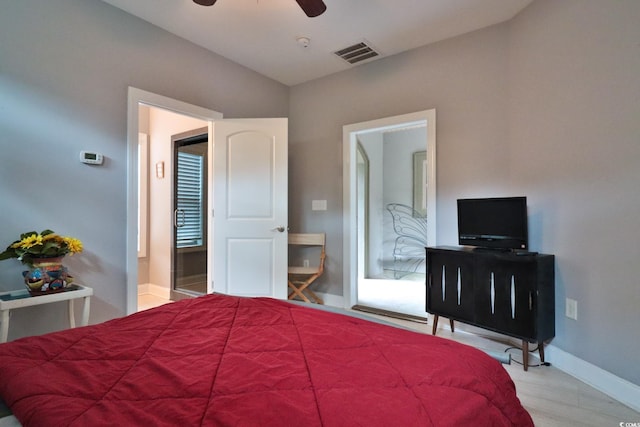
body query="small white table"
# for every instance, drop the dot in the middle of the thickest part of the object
(22, 298)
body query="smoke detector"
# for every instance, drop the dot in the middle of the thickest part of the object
(303, 41)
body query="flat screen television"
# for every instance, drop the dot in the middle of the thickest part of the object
(498, 223)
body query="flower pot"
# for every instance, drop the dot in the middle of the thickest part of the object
(46, 276)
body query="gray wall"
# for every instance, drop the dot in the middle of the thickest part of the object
(65, 66)
(547, 106)
(574, 148)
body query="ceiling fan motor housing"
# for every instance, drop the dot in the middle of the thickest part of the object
(312, 8)
(205, 2)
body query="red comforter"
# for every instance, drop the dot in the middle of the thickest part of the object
(228, 361)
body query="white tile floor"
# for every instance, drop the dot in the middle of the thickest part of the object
(147, 301)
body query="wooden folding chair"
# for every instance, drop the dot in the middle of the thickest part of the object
(301, 277)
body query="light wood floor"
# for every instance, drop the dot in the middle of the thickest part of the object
(552, 397)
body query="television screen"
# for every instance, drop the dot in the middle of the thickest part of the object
(499, 223)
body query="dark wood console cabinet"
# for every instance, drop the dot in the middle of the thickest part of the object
(512, 294)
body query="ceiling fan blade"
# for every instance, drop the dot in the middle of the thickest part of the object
(312, 8)
(205, 2)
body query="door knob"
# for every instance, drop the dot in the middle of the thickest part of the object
(279, 229)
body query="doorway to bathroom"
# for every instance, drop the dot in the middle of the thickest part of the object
(390, 213)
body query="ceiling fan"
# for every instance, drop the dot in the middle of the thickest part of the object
(312, 8)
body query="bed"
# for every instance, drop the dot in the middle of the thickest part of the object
(221, 360)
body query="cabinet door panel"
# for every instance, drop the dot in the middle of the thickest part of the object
(450, 284)
(505, 295)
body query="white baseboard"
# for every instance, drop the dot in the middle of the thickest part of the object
(155, 290)
(331, 300)
(618, 388)
(143, 288)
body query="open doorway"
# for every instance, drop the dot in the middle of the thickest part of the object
(173, 199)
(139, 102)
(249, 157)
(389, 187)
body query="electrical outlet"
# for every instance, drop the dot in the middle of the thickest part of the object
(305, 263)
(571, 309)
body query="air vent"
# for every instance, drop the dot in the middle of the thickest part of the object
(357, 53)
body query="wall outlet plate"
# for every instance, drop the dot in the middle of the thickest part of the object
(571, 309)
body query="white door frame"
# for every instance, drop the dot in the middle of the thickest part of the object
(350, 139)
(136, 97)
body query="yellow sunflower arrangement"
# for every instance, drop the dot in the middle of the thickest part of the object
(47, 244)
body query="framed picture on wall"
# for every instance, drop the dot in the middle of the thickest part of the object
(420, 183)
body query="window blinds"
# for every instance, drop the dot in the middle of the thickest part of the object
(189, 215)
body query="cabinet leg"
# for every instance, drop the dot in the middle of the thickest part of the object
(435, 324)
(541, 352)
(525, 354)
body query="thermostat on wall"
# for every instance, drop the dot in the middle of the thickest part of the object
(91, 158)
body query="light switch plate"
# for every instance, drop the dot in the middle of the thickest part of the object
(318, 205)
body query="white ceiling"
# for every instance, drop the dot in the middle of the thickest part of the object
(261, 34)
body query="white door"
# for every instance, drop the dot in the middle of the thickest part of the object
(250, 199)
